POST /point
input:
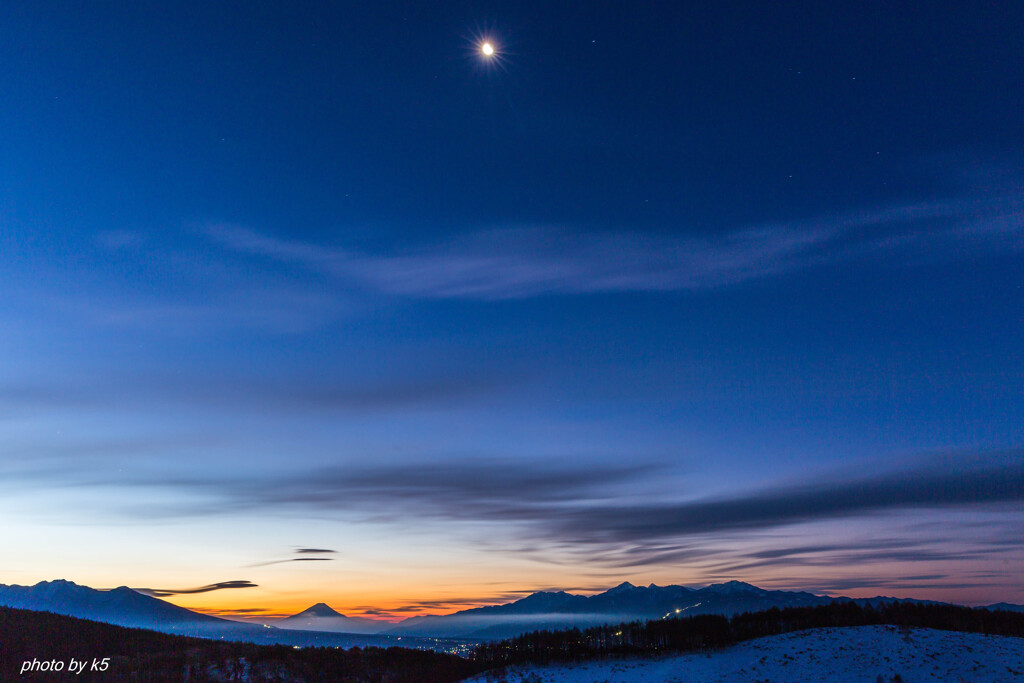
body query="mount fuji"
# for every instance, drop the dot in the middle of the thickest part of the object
(320, 617)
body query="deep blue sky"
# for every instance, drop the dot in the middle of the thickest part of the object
(669, 291)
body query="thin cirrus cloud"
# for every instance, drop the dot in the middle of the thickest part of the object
(839, 585)
(162, 592)
(527, 262)
(862, 552)
(582, 510)
(430, 605)
(449, 605)
(449, 490)
(452, 490)
(304, 554)
(941, 484)
(314, 551)
(209, 294)
(292, 559)
(425, 388)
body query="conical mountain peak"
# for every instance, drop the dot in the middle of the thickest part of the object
(320, 609)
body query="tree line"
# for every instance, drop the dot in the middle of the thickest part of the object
(710, 631)
(140, 656)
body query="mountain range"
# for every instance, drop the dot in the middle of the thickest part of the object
(126, 607)
(625, 602)
(120, 606)
(321, 625)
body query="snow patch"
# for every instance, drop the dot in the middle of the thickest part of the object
(859, 653)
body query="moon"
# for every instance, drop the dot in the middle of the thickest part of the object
(487, 49)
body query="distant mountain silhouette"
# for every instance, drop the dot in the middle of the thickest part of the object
(559, 610)
(321, 617)
(121, 606)
(131, 654)
(126, 607)
(321, 625)
(1007, 607)
(625, 602)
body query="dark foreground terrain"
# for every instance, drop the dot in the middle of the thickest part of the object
(40, 646)
(708, 632)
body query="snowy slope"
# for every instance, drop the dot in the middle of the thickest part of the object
(861, 653)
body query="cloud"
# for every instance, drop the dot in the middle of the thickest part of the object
(293, 559)
(211, 294)
(836, 586)
(526, 262)
(555, 512)
(855, 553)
(586, 512)
(577, 504)
(259, 615)
(162, 592)
(901, 585)
(464, 490)
(941, 484)
(424, 387)
(441, 603)
(301, 551)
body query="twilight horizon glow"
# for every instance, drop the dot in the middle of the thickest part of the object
(307, 305)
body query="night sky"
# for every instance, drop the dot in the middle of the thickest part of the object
(318, 297)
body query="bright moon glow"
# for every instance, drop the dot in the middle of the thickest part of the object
(487, 49)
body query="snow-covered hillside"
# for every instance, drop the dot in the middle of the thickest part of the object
(861, 653)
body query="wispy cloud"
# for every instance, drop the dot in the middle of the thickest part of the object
(526, 262)
(463, 602)
(163, 592)
(257, 615)
(292, 559)
(211, 293)
(439, 606)
(859, 553)
(304, 553)
(572, 503)
(446, 490)
(583, 512)
(941, 484)
(424, 387)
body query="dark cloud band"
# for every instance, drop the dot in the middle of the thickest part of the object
(577, 511)
(161, 592)
(937, 487)
(549, 504)
(314, 551)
